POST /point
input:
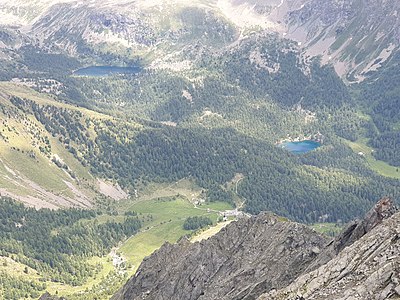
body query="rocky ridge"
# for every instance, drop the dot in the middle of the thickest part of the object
(355, 36)
(369, 269)
(355, 230)
(238, 263)
(268, 257)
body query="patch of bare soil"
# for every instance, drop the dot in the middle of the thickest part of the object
(113, 191)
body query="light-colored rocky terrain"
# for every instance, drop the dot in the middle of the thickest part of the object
(356, 37)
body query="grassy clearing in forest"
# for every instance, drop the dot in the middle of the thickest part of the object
(378, 166)
(164, 224)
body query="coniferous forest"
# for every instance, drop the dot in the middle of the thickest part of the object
(56, 244)
(210, 107)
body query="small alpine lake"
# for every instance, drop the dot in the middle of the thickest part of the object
(300, 147)
(102, 71)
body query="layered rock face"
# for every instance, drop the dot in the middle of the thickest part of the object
(268, 257)
(369, 269)
(383, 209)
(245, 259)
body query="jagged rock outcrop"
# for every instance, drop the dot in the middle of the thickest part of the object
(383, 209)
(369, 269)
(268, 257)
(245, 259)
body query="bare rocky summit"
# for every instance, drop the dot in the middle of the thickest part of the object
(268, 257)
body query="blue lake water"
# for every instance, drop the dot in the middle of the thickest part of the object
(101, 71)
(300, 147)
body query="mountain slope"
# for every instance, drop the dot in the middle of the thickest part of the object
(265, 253)
(356, 36)
(238, 263)
(35, 166)
(84, 144)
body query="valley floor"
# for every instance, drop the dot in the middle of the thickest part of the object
(163, 209)
(360, 146)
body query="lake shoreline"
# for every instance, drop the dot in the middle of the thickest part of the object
(301, 144)
(300, 147)
(317, 137)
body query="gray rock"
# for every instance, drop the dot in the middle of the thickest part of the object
(245, 259)
(268, 258)
(397, 290)
(383, 209)
(359, 271)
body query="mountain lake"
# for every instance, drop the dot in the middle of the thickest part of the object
(300, 147)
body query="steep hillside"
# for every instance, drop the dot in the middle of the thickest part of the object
(381, 98)
(357, 36)
(35, 166)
